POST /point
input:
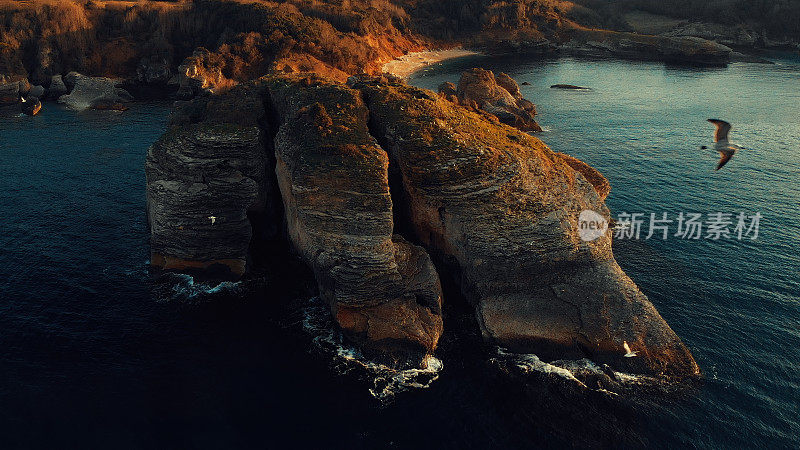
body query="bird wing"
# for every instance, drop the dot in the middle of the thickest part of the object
(722, 129)
(724, 157)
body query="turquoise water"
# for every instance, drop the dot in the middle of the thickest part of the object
(736, 303)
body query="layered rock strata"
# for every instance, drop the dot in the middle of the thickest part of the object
(384, 292)
(505, 208)
(497, 208)
(205, 175)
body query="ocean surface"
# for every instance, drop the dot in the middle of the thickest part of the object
(96, 352)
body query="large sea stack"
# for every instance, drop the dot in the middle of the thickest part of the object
(493, 206)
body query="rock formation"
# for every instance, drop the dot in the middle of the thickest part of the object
(204, 177)
(20, 97)
(201, 73)
(497, 95)
(334, 181)
(384, 292)
(153, 70)
(497, 208)
(505, 208)
(93, 92)
(57, 87)
(569, 87)
(691, 50)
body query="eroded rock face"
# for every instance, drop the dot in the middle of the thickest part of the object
(204, 177)
(384, 292)
(505, 208)
(496, 206)
(497, 95)
(592, 175)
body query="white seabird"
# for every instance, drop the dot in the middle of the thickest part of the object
(628, 352)
(213, 219)
(721, 143)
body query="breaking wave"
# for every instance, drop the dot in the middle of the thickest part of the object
(385, 381)
(183, 287)
(583, 373)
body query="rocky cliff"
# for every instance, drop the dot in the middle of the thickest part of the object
(493, 206)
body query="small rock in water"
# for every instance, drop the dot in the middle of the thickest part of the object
(32, 106)
(568, 86)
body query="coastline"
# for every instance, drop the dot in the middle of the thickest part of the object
(406, 65)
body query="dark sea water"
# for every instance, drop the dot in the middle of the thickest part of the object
(95, 352)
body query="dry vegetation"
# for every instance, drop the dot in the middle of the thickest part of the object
(39, 38)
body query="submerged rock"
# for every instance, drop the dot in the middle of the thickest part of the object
(568, 86)
(505, 209)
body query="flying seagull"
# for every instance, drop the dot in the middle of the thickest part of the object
(628, 352)
(721, 143)
(213, 219)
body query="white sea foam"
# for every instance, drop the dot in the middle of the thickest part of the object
(184, 287)
(571, 370)
(385, 381)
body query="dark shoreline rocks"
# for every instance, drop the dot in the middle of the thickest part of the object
(94, 92)
(490, 202)
(678, 50)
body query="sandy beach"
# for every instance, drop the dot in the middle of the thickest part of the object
(410, 63)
